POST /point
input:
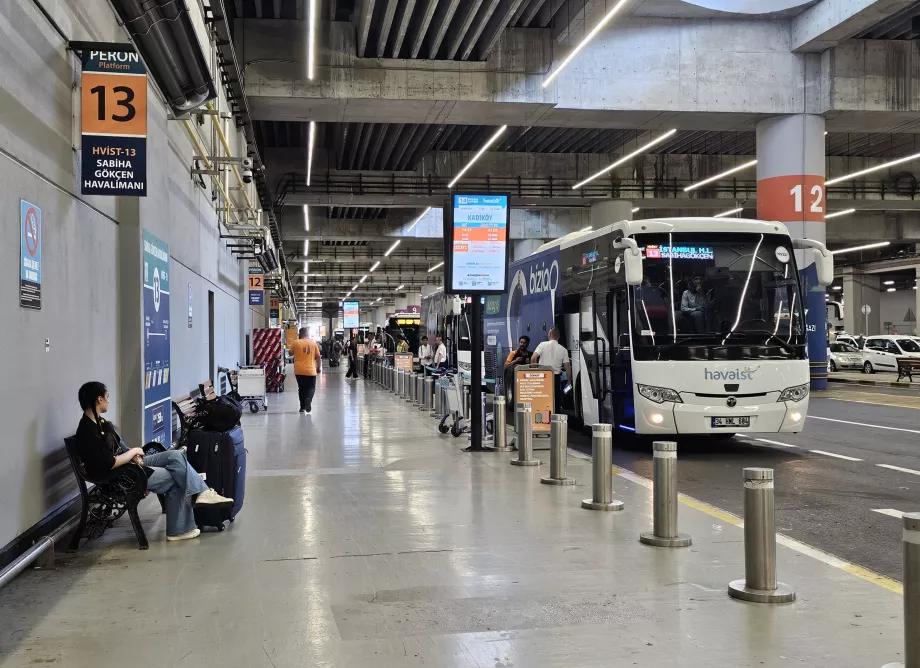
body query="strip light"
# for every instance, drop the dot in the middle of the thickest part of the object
(363, 278)
(311, 42)
(393, 247)
(729, 212)
(694, 186)
(584, 42)
(375, 265)
(354, 287)
(492, 140)
(879, 244)
(310, 142)
(635, 209)
(415, 222)
(378, 299)
(868, 170)
(839, 213)
(629, 156)
(439, 264)
(306, 218)
(399, 287)
(306, 269)
(306, 247)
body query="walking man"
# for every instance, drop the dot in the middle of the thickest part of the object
(307, 363)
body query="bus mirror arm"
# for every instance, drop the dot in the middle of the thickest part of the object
(632, 258)
(824, 261)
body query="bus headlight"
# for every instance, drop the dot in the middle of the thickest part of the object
(659, 394)
(795, 393)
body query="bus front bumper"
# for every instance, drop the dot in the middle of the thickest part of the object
(676, 418)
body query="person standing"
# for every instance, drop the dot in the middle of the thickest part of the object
(425, 353)
(440, 352)
(307, 363)
(352, 358)
(553, 354)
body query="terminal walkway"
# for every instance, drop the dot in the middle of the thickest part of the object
(368, 539)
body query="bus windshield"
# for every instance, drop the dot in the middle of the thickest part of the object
(717, 295)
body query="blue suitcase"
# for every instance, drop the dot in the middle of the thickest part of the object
(221, 456)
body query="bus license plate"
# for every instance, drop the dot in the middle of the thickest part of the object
(731, 422)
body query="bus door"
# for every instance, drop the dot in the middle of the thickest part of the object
(621, 358)
(588, 380)
(602, 343)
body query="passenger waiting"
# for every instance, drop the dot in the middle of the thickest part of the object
(169, 473)
(440, 352)
(693, 304)
(425, 353)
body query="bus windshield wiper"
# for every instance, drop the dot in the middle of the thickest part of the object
(785, 345)
(687, 338)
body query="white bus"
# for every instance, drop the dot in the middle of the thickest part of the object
(674, 326)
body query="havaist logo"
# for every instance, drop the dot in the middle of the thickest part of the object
(746, 373)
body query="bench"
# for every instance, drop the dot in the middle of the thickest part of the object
(906, 367)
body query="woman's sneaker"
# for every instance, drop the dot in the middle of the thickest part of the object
(210, 498)
(194, 533)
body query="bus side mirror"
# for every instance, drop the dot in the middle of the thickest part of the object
(632, 259)
(824, 261)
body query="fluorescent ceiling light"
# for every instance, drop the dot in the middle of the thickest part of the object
(395, 244)
(584, 42)
(311, 42)
(306, 247)
(375, 265)
(306, 218)
(891, 290)
(310, 148)
(399, 287)
(354, 287)
(888, 283)
(585, 229)
(635, 208)
(879, 244)
(836, 288)
(839, 213)
(492, 140)
(412, 226)
(306, 269)
(378, 299)
(729, 212)
(868, 170)
(694, 186)
(363, 278)
(629, 156)
(439, 264)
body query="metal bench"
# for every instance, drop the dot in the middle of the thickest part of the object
(906, 367)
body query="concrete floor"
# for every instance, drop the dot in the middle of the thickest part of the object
(367, 539)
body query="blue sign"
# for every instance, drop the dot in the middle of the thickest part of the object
(30, 255)
(479, 246)
(256, 287)
(157, 423)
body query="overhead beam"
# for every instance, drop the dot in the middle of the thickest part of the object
(424, 23)
(442, 19)
(365, 15)
(498, 21)
(459, 32)
(386, 23)
(472, 37)
(827, 24)
(403, 16)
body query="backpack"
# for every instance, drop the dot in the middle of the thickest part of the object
(221, 414)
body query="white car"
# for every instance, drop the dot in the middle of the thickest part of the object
(843, 356)
(881, 353)
(850, 340)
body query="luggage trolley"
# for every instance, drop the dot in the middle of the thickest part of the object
(452, 384)
(251, 387)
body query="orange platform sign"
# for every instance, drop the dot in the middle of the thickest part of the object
(789, 199)
(535, 385)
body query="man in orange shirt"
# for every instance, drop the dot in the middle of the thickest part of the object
(307, 363)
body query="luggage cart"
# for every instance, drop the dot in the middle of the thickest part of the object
(453, 384)
(251, 387)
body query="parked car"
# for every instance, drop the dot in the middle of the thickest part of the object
(843, 356)
(850, 340)
(881, 353)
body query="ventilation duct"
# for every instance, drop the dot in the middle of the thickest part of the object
(163, 32)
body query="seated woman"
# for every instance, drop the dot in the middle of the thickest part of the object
(169, 473)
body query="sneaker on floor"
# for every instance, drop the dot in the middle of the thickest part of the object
(194, 533)
(302, 410)
(309, 407)
(209, 498)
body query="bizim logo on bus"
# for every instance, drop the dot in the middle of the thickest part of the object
(747, 373)
(541, 278)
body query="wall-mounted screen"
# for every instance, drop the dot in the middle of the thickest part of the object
(479, 244)
(352, 313)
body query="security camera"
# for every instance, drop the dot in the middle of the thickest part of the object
(247, 170)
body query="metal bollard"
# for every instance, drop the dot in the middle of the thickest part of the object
(664, 504)
(438, 400)
(420, 391)
(759, 584)
(559, 440)
(602, 469)
(400, 382)
(410, 387)
(427, 402)
(407, 385)
(911, 576)
(466, 402)
(499, 430)
(483, 403)
(525, 437)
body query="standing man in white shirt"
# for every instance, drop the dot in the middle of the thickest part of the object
(553, 354)
(440, 353)
(425, 353)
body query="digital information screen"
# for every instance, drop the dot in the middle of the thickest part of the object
(479, 262)
(352, 314)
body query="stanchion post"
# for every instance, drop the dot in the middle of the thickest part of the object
(759, 584)
(427, 390)
(911, 577)
(525, 437)
(485, 418)
(602, 470)
(664, 499)
(499, 421)
(558, 451)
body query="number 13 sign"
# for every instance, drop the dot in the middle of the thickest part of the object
(791, 199)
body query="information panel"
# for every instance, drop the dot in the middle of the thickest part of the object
(256, 286)
(157, 416)
(534, 385)
(30, 255)
(352, 314)
(479, 244)
(113, 124)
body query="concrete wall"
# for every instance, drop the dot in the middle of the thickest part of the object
(893, 306)
(84, 260)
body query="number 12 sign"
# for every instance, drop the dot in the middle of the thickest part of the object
(113, 124)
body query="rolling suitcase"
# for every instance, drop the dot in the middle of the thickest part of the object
(221, 456)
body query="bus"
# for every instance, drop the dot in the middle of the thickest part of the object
(673, 326)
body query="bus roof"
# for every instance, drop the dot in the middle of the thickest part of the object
(700, 224)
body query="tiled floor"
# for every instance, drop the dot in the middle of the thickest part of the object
(369, 540)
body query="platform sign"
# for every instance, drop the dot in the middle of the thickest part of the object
(274, 312)
(113, 124)
(30, 255)
(256, 286)
(352, 314)
(157, 415)
(403, 361)
(479, 244)
(535, 385)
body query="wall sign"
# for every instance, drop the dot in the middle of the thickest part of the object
(113, 124)
(274, 310)
(352, 313)
(30, 255)
(479, 244)
(256, 287)
(189, 305)
(535, 385)
(157, 415)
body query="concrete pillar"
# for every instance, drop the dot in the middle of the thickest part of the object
(916, 324)
(859, 290)
(428, 289)
(131, 317)
(523, 247)
(401, 304)
(790, 189)
(414, 299)
(609, 211)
